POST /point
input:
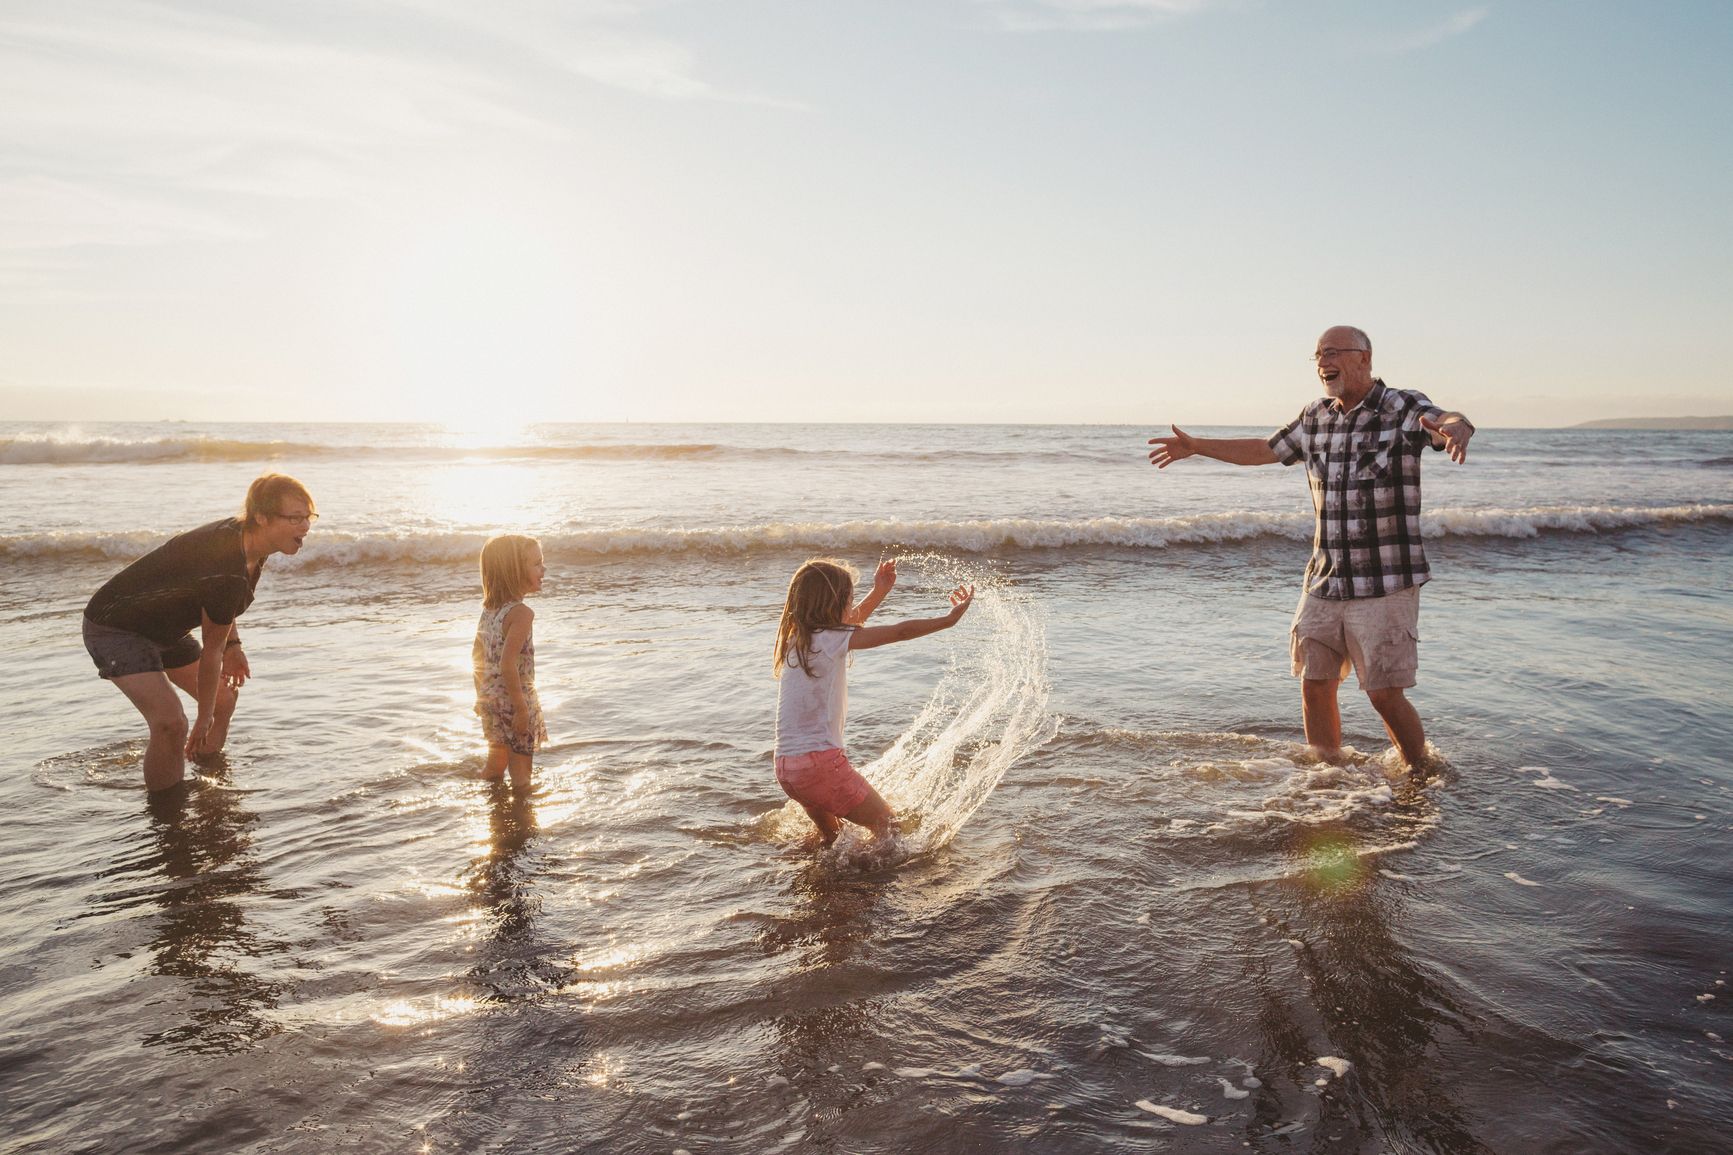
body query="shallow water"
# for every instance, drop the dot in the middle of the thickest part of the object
(1123, 902)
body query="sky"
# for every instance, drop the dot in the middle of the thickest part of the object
(1132, 211)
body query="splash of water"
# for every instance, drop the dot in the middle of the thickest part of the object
(988, 710)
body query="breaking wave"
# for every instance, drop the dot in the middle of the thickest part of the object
(56, 450)
(60, 449)
(989, 535)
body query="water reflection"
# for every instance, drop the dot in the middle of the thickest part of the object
(829, 1015)
(514, 960)
(198, 868)
(832, 917)
(1365, 992)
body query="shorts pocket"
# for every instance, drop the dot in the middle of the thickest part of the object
(1401, 649)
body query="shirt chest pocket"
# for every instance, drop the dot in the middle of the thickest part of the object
(1374, 457)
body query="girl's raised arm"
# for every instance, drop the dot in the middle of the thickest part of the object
(869, 637)
(883, 579)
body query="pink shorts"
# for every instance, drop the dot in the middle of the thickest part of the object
(823, 780)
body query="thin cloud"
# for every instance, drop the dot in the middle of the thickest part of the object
(1087, 15)
(596, 40)
(1419, 39)
(48, 213)
(117, 127)
(140, 123)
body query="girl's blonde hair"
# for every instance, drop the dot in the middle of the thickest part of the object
(819, 595)
(266, 495)
(505, 569)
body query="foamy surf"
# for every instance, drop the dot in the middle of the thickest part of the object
(333, 546)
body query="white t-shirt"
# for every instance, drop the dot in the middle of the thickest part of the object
(811, 707)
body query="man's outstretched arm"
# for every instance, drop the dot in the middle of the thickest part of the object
(1233, 450)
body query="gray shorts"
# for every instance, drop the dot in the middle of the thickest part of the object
(1379, 638)
(118, 653)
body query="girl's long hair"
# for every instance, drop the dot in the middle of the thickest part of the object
(505, 571)
(819, 594)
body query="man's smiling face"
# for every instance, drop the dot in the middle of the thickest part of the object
(1344, 363)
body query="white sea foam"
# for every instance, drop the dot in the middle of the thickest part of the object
(1519, 879)
(70, 448)
(1176, 1060)
(1266, 790)
(1173, 1114)
(969, 1071)
(332, 546)
(1339, 1067)
(1229, 1091)
(1546, 781)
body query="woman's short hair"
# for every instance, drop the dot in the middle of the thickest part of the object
(265, 497)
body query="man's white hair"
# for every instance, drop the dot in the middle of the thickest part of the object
(1359, 334)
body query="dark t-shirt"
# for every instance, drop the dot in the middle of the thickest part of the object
(163, 594)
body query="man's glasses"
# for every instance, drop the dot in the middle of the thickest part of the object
(1324, 354)
(301, 518)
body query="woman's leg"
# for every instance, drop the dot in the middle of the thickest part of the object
(187, 678)
(494, 770)
(873, 813)
(165, 756)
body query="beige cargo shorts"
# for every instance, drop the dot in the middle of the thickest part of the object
(1378, 637)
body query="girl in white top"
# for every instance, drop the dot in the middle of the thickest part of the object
(821, 625)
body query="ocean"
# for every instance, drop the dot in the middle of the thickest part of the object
(1126, 912)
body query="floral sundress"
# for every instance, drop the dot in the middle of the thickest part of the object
(492, 703)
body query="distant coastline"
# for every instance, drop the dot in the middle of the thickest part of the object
(1710, 423)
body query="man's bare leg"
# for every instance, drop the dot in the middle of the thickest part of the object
(1323, 717)
(1402, 723)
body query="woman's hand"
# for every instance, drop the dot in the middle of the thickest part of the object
(961, 597)
(198, 734)
(236, 668)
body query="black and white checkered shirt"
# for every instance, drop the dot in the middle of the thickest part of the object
(1364, 466)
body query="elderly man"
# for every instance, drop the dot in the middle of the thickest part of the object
(1360, 608)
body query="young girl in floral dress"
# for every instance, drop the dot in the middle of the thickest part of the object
(505, 658)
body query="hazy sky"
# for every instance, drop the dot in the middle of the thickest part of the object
(1026, 210)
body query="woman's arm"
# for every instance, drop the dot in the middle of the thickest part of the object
(236, 668)
(870, 637)
(213, 640)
